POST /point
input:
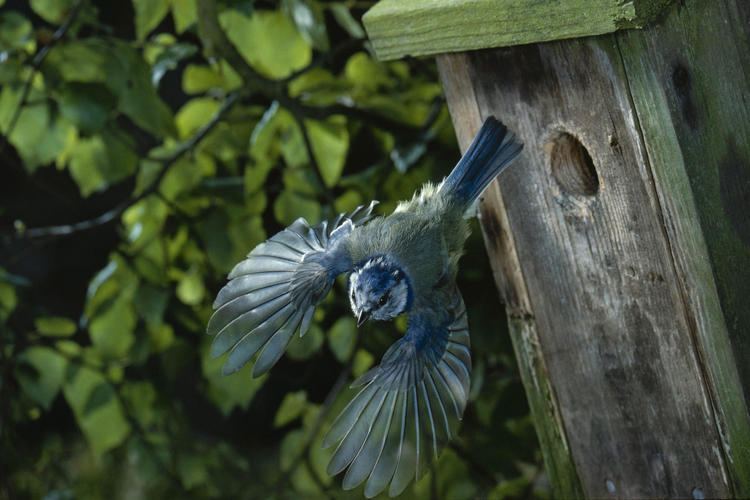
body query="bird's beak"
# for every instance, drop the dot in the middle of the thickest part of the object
(363, 316)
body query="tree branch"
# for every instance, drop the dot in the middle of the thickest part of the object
(36, 63)
(167, 162)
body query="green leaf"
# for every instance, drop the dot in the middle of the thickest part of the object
(307, 16)
(52, 11)
(255, 175)
(150, 303)
(268, 41)
(226, 393)
(342, 338)
(330, 144)
(111, 331)
(348, 201)
(122, 69)
(192, 469)
(148, 15)
(184, 13)
(130, 79)
(190, 289)
(38, 136)
(140, 398)
(344, 17)
(304, 347)
(365, 74)
(198, 79)
(291, 446)
(194, 114)
(55, 326)
(363, 360)
(99, 161)
(169, 58)
(99, 397)
(291, 408)
(105, 427)
(290, 206)
(46, 377)
(16, 32)
(87, 105)
(8, 300)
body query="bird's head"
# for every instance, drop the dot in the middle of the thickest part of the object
(379, 289)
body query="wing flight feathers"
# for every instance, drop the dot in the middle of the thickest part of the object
(273, 292)
(407, 407)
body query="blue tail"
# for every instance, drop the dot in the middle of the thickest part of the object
(493, 149)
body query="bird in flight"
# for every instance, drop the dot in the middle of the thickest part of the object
(409, 405)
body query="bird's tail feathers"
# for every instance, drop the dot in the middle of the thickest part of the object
(493, 149)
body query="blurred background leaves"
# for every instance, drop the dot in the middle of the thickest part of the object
(146, 147)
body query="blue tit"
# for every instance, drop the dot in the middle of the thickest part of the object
(409, 406)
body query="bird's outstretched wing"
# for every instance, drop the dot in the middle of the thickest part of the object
(407, 407)
(273, 292)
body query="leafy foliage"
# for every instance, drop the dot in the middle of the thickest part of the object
(168, 138)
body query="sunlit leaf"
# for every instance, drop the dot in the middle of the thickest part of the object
(268, 41)
(330, 144)
(194, 114)
(198, 79)
(148, 15)
(363, 360)
(55, 326)
(190, 289)
(292, 406)
(184, 13)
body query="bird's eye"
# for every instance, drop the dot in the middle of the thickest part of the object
(382, 300)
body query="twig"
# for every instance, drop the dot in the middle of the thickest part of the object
(36, 63)
(110, 215)
(313, 160)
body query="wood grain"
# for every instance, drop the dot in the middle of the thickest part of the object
(604, 294)
(689, 78)
(510, 282)
(399, 28)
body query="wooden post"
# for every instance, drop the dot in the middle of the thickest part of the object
(620, 242)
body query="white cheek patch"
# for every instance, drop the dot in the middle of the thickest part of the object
(353, 283)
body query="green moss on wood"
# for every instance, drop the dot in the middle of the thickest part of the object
(691, 90)
(399, 28)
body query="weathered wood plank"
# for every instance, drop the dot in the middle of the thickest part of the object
(399, 28)
(507, 273)
(605, 297)
(689, 79)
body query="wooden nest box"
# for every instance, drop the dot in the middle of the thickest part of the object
(620, 241)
